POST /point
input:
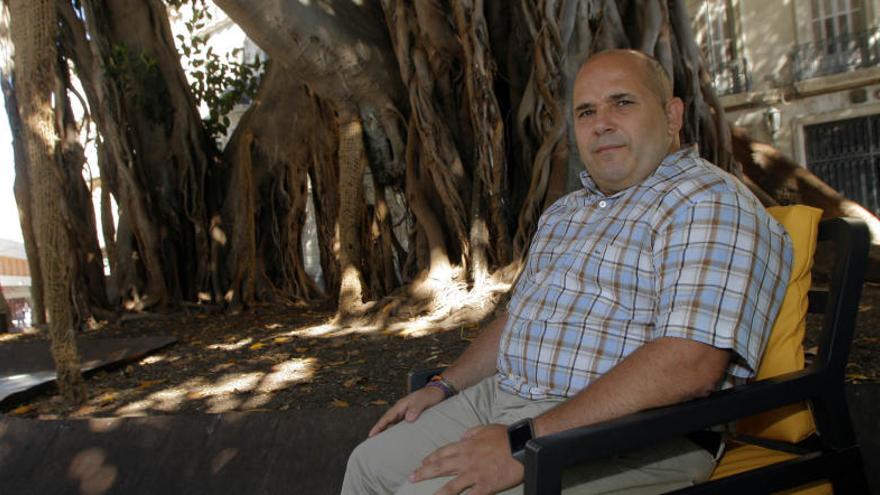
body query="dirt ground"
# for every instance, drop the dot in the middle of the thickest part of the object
(275, 358)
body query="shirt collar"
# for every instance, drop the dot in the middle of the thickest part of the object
(667, 167)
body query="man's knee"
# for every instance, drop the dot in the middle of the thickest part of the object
(376, 466)
(363, 459)
(360, 471)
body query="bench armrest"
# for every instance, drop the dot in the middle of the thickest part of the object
(546, 457)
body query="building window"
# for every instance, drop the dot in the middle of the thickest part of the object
(845, 154)
(840, 41)
(716, 28)
(835, 20)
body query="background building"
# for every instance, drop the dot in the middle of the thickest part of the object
(803, 76)
(15, 281)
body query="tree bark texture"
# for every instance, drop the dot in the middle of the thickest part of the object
(270, 155)
(352, 162)
(34, 36)
(155, 157)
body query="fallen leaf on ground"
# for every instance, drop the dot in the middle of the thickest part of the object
(257, 346)
(339, 403)
(21, 410)
(351, 382)
(302, 350)
(144, 384)
(856, 377)
(105, 398)
(379, 402)
(85, 410)
(281, 340)
(273, 326)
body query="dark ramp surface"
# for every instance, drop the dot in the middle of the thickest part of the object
(292, 452)
(277, 452)
(27, 366)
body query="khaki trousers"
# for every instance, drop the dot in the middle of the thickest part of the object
(381, 465)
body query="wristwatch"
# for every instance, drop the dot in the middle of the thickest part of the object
(518, 434)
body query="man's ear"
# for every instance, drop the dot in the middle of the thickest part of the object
(674, 115)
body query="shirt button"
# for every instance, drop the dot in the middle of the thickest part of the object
(603, 204)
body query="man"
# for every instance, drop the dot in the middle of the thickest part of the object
(656, 283)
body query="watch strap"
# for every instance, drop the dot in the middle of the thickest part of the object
(518, 435)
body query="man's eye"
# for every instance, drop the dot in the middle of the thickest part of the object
(623, 103)
(586, 113)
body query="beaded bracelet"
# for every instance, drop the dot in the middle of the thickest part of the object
(438, 381)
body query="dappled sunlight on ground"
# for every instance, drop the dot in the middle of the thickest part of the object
(12, 337)
(274, 357)
(156, 358)
(227, 393)
(452, 306)
(232, 347)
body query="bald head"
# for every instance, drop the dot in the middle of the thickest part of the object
(654, 76)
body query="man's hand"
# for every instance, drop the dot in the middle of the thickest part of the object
(481, 460)
(408, 408)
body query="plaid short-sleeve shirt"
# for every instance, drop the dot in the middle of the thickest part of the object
(688, 253)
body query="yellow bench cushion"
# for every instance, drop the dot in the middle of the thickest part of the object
(784, 353)
(742, 458)
(785, 350)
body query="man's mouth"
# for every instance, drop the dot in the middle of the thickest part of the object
(607, 147)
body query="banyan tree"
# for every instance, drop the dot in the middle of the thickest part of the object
(425, 137)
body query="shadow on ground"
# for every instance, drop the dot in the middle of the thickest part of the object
(254, 452)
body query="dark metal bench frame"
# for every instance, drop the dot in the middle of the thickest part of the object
(833, 454)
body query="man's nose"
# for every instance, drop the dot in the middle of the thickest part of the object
(603, 123)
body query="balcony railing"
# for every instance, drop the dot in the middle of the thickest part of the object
(730, 77)
(839, 54)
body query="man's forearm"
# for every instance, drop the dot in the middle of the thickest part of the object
(663, 372)
(479, 360)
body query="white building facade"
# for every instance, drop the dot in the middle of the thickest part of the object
(804, 76)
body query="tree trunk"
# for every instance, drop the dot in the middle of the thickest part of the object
(21, 186)
(156, 157)
(352, 162)
(34, 36)
(324, 179)
(264, 214)
(348, 42)
(173, 153)
(137, 276)
(90, 295)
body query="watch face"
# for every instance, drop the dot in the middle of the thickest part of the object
(519, 435)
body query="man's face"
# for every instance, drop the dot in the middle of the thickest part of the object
(623, 129)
